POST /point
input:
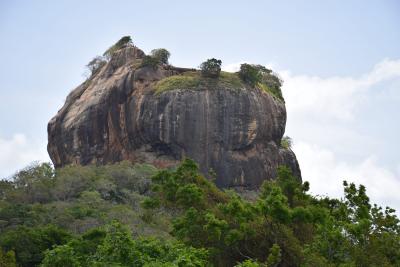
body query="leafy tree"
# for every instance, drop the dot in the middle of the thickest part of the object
(211, 68)
(29, 244)
(60, 256)
(118, 248)
(274, 257)
(161, 54)
(95, 64)
(250, 74)
(284, 226)
(261, 77)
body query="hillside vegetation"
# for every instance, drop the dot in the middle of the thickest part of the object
(136, 215)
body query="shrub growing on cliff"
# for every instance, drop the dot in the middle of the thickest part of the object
(161, 54)
(211, 68)
(95, 64)
(286, 142)
(118, 45)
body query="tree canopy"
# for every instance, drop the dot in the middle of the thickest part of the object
(211, 68)
(136, 215)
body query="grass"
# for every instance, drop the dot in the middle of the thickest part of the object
(187, 80)
(192, 80)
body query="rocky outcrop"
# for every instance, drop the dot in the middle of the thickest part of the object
(116, 115)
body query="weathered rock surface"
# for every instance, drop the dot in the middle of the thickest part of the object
(115, 116)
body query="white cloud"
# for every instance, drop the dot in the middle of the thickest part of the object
(326, 172)
(333, 97)
(17, 152)
(322, 114)
(234, 67)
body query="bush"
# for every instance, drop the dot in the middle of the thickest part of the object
(286, 142)
(118, 248)
(30, 243)
(161, 54)
(263, 78)
(7, 259)
(95, 64)
(149, 61)
(251, 74)
(211, 68)
(283, 226)
(271, 80)
(118, 45)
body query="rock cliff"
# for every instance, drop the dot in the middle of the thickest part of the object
(127, 111)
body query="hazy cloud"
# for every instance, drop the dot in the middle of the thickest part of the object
(326, 172)
(322, 117)
(333, 97)
(17, 152)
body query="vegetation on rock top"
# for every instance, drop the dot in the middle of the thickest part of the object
(118, 45)
(210, 76)
(193, 80)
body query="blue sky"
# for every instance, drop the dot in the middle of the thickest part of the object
(340, 61)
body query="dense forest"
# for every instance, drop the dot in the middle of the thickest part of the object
(136, 215)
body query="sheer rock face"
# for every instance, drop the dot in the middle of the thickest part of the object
(115, 116)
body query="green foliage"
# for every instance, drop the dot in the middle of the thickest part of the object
(149, 61)
(249, 263)
(263, 78)
(74, 199)
(68, 217)
(211, 68)
(60, 256)
(274, 257)
(273, 260)
(250, 74)
(161, 55)
(286, 142)
(194, 81)
(7, 259)
(29, 243)
(184, 81)
(293, 226)
(118, 248)
(273, 84)
(126, 40)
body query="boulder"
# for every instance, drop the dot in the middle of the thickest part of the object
(119, 114)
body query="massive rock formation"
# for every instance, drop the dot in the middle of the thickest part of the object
(117, 115)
